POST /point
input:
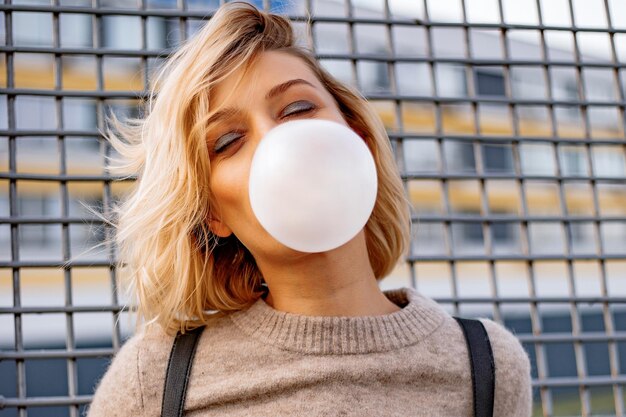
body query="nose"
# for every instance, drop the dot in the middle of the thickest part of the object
(261, 125)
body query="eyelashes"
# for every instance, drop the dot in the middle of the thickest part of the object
(222, 144)
(302, 107)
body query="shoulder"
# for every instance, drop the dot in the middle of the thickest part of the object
(513, 392)
(133, 383)
(120, 391)
(505, 343)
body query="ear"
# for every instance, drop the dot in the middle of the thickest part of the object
(219, 228)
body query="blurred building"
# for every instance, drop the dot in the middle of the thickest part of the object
(548, 130)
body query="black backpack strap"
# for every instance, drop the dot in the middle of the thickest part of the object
(482, 365)
(178, 371)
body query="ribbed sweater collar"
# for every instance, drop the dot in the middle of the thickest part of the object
(419, 317)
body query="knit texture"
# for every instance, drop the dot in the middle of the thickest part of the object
(264, 362)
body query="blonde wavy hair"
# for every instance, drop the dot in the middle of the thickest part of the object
(170, 263)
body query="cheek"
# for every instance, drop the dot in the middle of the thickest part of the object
(229, 184)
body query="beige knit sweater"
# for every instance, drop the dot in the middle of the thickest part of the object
(265, 362)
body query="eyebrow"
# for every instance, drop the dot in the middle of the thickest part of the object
(274, 91)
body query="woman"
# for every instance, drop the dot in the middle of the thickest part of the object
(295, 333)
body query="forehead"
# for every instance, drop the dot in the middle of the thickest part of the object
(269, 69)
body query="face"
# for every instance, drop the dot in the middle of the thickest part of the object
(259, 105)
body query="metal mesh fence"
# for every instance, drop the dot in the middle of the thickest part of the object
(506, 118)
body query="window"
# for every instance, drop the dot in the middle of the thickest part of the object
(489, 83)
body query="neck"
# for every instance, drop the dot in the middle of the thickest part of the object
(339, 282)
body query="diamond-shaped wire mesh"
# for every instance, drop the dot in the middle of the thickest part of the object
(507, 120)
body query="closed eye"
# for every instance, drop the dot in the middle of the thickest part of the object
(300, 106)
(224, 141)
